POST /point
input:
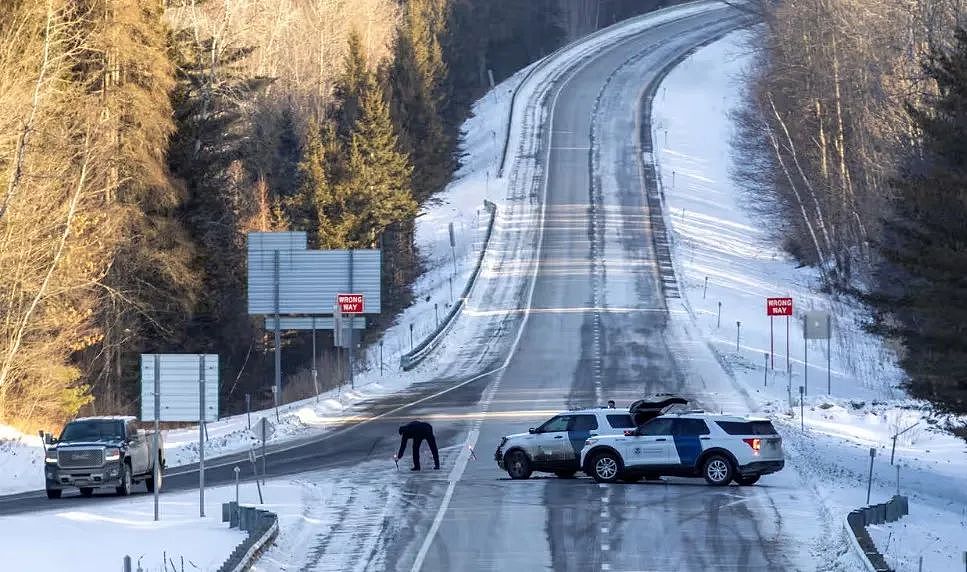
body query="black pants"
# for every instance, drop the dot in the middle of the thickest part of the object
(417, 443)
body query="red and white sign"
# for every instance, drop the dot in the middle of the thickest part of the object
(350, 303)
(778, 306)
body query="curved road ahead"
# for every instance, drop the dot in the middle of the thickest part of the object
(588, 321)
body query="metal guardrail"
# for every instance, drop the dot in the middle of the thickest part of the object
(859, 538)
(262, 527)
(413, 358)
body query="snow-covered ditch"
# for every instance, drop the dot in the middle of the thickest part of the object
(719, 240)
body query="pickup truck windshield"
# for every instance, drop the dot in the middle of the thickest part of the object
(93, 430)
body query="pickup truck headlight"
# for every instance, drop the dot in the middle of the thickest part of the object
(112, 454)
(50, 457)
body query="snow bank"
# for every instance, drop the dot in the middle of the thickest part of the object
(21, 461)
(95, 538)
(717, 237)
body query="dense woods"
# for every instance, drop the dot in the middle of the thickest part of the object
(854, 126)
(140, 142)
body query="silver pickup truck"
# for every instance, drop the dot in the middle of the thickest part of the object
(94, 452)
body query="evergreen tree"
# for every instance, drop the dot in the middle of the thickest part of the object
(376, 190)
(417, 77)
(922, 280)
(352, 84)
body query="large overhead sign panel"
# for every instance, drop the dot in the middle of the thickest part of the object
(309, 281)
(180, 380)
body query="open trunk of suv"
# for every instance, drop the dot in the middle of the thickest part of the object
(644, 410)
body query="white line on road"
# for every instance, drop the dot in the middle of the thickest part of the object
(461, 465)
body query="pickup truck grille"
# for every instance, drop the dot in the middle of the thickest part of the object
(80, 458)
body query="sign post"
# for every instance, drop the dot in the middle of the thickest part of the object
(201, 436)
(778, 307)
(816, 326)
(179, 387)
(157, 430)
(352, 304)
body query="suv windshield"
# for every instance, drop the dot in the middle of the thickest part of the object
(93, 430)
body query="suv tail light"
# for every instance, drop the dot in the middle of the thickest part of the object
(756, 444)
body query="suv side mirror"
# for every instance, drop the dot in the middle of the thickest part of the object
(532, 431)
(48, 438)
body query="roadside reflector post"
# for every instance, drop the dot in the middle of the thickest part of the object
(436, 313)
(275, 396)
(315, 371)
(705, 291)
(248, 409)
(829, 354)
(898, 479)
(738, 330)
(718, 322)
(765, 371)
(411, 337)
(237, 471)
(381, 358)
(802, 408)
(869, 482)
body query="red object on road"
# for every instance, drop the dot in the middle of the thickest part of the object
(778, 306)
(350, 303)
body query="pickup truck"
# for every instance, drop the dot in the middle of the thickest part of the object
(94, 452)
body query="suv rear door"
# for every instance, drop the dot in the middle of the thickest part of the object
(688, 436)
(579, 429)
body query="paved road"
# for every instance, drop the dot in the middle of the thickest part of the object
(597, 329)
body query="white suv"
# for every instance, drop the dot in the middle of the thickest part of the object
(721, 448)
(555, 446)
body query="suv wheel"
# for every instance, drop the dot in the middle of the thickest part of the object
(717, 470)
(605, 467)
(54, 493)
(518, 465)
(746, 481)
(124, 489)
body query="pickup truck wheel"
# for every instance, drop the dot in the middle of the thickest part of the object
(149, 482)
(124, 489)
(87, 491)
(54, 493)
(518, 465)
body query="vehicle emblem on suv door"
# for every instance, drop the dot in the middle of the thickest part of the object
(637, 450)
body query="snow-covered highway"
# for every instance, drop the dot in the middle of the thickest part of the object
(578, 303)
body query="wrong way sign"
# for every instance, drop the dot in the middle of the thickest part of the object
(778, 306)
(351, 303)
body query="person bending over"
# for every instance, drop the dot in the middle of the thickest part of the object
(419, 432)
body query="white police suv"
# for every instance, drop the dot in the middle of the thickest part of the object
(555, 446)
(721, 448)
